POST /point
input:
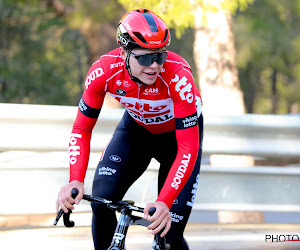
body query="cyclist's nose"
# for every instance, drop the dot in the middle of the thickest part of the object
(154, 64)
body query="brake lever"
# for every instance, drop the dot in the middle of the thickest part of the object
(59, 214)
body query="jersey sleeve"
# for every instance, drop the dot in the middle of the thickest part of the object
(182, 91)
(89, 109)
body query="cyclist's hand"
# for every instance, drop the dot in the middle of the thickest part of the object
(65, 200)
(161, 219)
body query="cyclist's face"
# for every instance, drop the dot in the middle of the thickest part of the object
(147, 74)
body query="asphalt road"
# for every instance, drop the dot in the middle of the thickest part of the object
(199, 236)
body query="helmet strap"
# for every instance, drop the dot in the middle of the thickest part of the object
(127, 66)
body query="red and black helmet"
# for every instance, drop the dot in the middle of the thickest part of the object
(141, 28)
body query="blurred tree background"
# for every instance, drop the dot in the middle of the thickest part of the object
(267, 41)
(47, 46)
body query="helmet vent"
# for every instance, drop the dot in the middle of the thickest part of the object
(152, 24)
(143, 11)
(166, 35)
(140, 37)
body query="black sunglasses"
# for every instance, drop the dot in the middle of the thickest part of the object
(148, 59)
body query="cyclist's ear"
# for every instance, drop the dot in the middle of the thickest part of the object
(123, 53)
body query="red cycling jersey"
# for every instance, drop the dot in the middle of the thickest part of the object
(171, 103)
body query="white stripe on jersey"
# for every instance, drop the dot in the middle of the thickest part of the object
(165, 84)
(118, 72)
(112, 55)
(186, 65)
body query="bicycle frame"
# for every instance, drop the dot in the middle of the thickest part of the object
(125, 220)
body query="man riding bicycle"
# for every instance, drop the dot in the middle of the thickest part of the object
(163, 120)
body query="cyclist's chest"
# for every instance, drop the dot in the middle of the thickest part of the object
(143, 101)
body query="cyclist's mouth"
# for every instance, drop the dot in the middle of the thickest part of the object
(150, 74)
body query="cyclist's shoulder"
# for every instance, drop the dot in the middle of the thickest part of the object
(103, 68)
(113, 55)
(173, 65)
(175, 61)
(110, 61)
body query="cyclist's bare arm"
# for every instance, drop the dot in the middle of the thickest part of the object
(65, 200)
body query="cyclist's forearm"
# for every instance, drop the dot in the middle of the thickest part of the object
(183, 165)
(79, 148)
(79, 151)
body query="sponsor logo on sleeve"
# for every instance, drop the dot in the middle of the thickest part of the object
(74, 150)
(198, 105)
(87, 110)
(181, 171)
(194, 192)
(92, 76)
(190, 121)
(186, 122)
(183, 88)
(82, 106)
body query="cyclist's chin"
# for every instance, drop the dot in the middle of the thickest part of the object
(148, 81)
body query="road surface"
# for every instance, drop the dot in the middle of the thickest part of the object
(199, 236)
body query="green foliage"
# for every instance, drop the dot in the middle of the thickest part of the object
(42, 60)
(179, 14)
(176, 13)
(88, 13)
(183, 46)
(268, 42)
(44, 56)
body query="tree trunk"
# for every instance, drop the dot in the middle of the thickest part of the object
(294, 108)
(214, 55)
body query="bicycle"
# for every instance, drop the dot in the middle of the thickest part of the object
(125, 208)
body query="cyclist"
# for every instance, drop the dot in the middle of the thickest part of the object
(162, 120)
